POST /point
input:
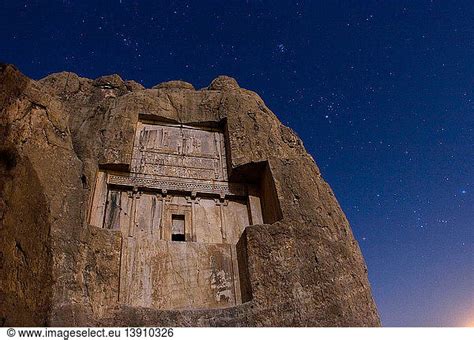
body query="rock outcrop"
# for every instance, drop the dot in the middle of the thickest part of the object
(303, 265)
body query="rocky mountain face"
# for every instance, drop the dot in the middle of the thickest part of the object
(300, 267)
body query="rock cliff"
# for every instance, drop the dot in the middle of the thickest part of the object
(303, 266)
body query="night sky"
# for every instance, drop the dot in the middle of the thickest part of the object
(381, 93)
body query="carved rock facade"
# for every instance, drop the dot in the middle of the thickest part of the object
(166, 206)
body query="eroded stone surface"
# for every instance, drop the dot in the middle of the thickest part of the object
(174, 84)
(301, 268)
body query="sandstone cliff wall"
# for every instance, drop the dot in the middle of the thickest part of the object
(304, 268)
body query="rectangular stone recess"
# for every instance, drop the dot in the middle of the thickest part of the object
(177, 228)
(179, 217)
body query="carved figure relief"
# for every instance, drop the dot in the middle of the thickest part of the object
(181, 152)
(179, 218)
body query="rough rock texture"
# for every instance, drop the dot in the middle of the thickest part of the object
(304, 269)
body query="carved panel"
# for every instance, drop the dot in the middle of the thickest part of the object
(236, 219)
(118, 212)
(133, 213)
(208, 221)
(179, 151)
(177, 275)
(148, 211)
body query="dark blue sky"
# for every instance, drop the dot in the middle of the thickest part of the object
(381, 92)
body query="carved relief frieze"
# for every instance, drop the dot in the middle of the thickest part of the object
(180, 219)
(179, 151)
(218, 188)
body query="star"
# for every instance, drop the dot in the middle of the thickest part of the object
(281, 48)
